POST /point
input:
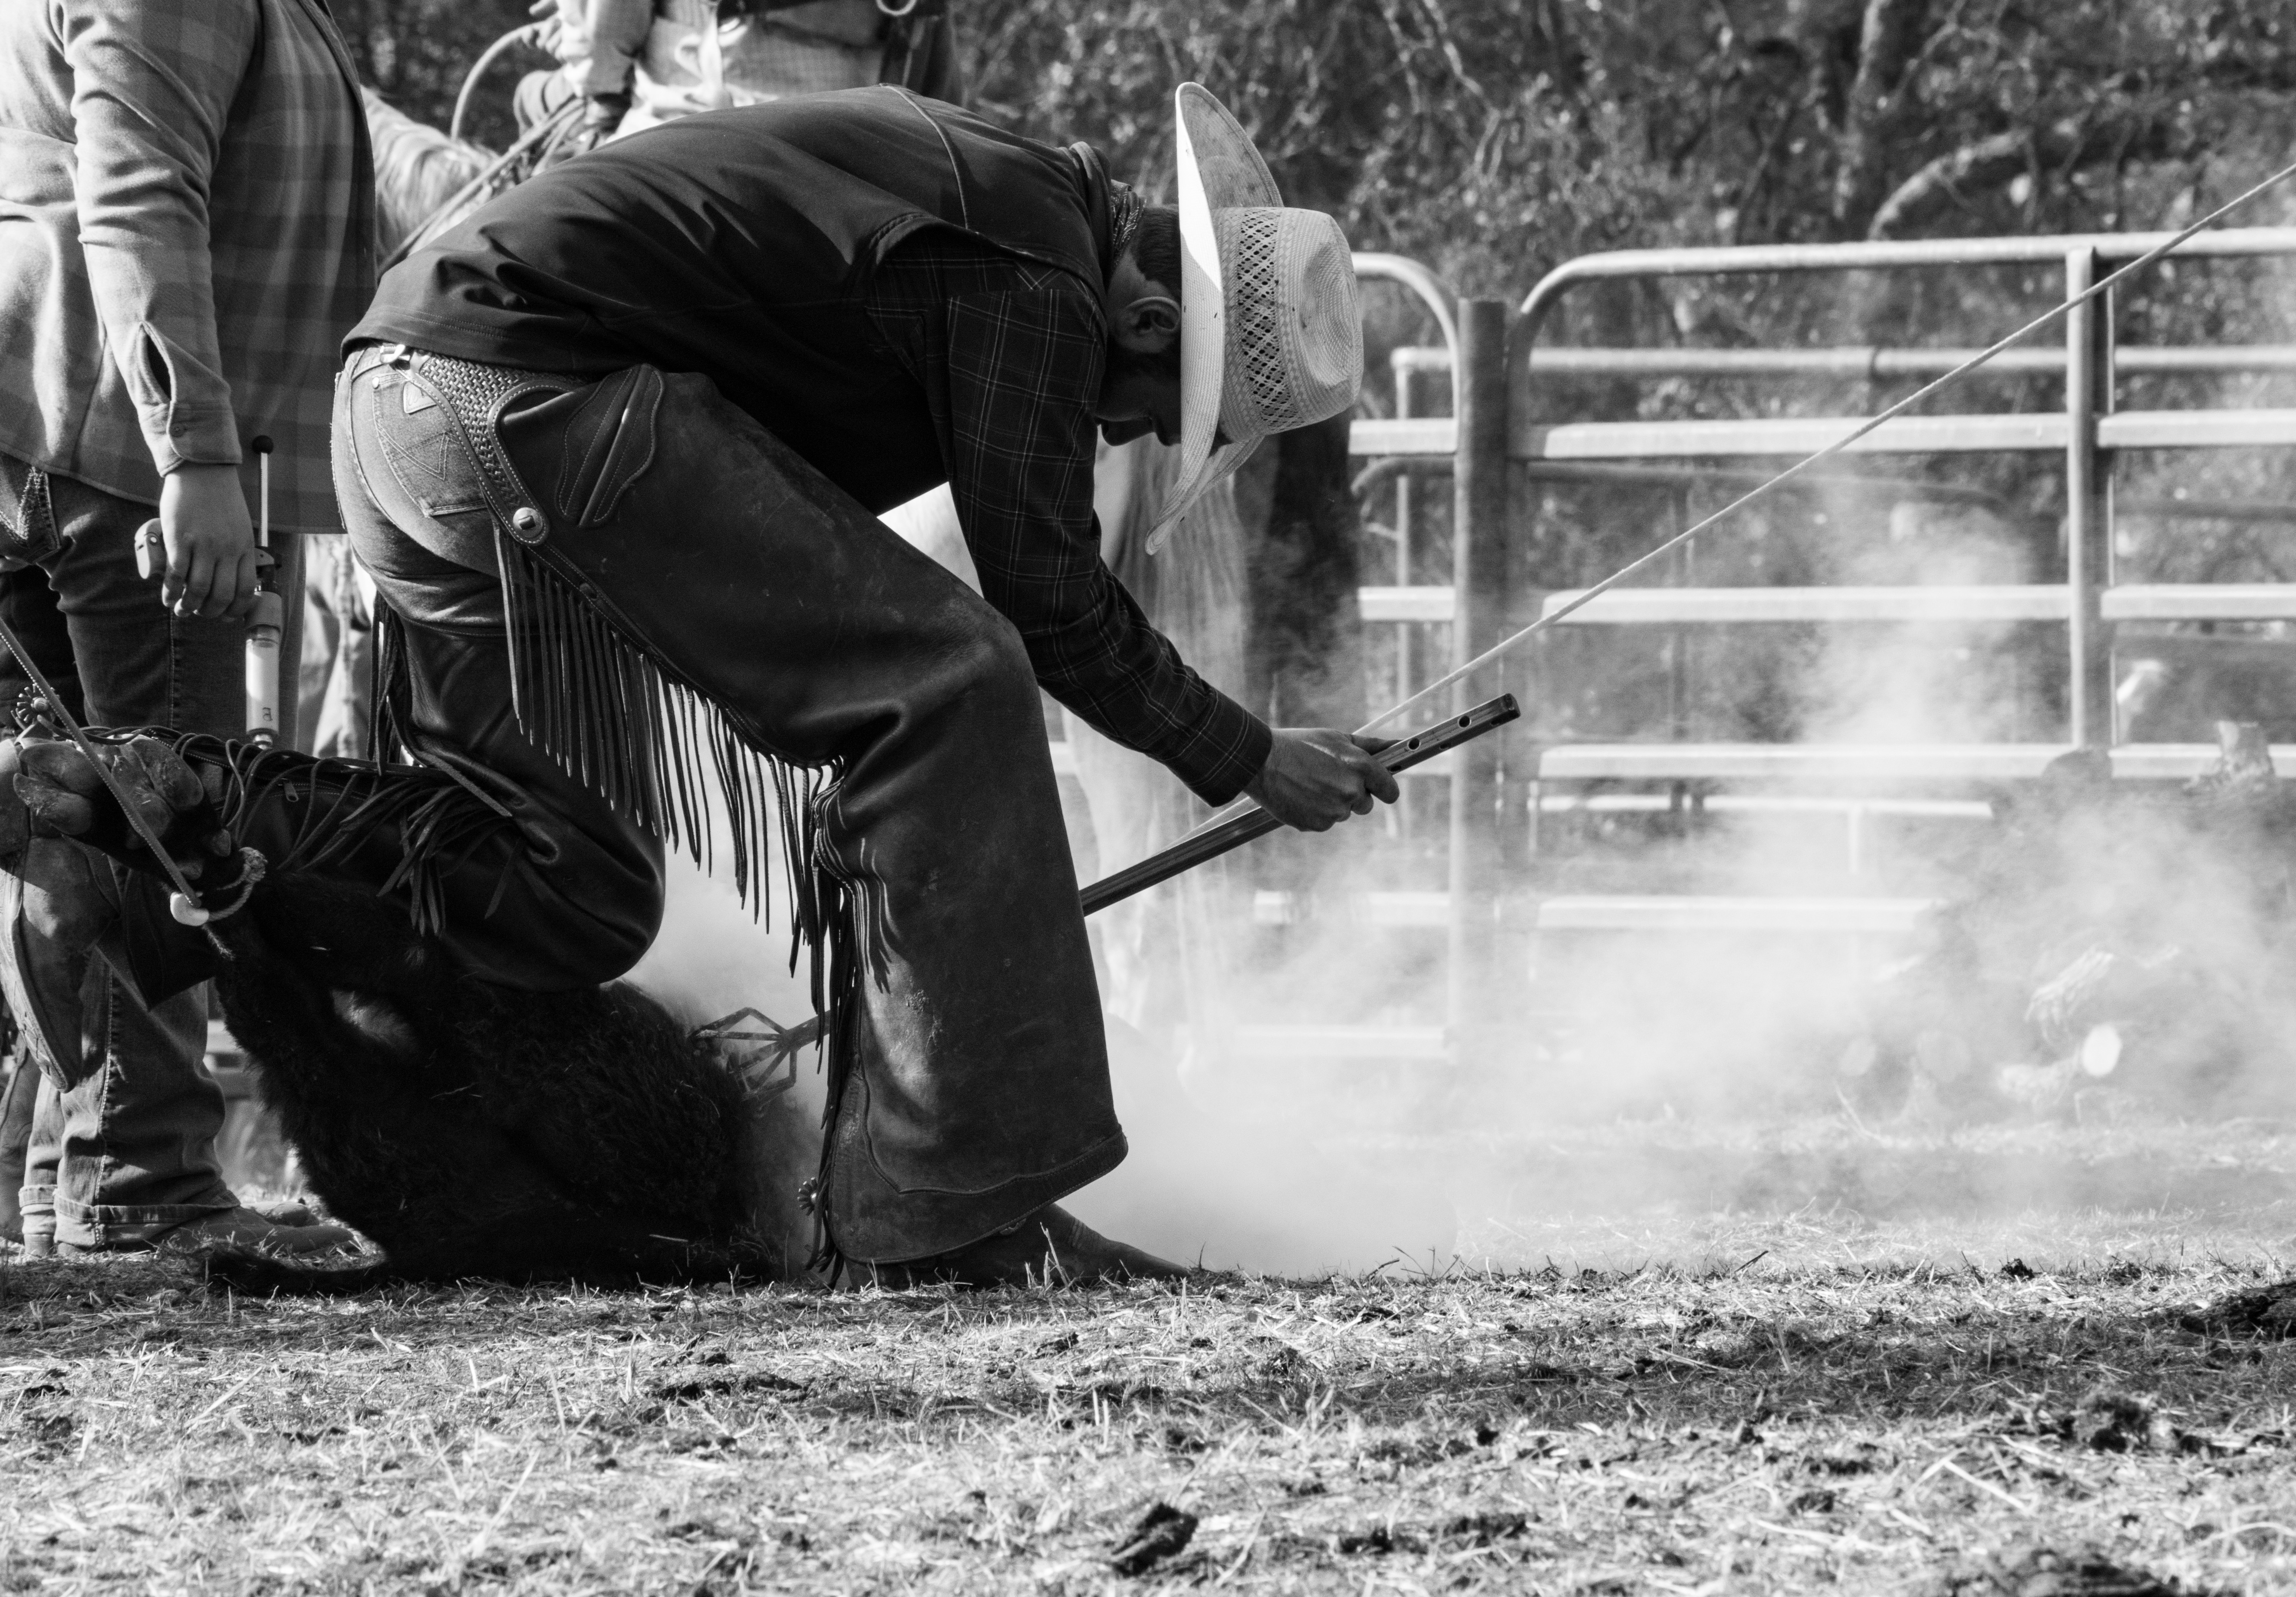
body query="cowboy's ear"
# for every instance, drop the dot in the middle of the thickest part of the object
(1148, 325)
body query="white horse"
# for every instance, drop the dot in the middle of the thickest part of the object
(417, 169)
(1159, 951)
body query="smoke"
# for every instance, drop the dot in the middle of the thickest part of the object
(1222, 1169)
(2090, 948)
(715, 956)
(1939, 682)
(2088, 953)
(712, 959)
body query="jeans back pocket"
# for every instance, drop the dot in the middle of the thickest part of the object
(423, 440)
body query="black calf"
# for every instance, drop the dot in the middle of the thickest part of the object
(471, 1130)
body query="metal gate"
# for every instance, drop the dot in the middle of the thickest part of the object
(1497, 791)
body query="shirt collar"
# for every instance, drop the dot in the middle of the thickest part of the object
(1113, 208)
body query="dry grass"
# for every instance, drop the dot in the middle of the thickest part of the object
(1868, 1402)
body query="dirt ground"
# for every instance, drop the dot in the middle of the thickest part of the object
(1775, 1361)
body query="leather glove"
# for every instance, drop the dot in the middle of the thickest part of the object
(65, 797)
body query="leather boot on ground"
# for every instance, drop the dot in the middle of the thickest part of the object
(1050, 1247)
(237, 1228)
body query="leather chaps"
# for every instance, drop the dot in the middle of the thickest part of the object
(624, 616)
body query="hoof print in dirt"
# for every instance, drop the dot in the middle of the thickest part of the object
(2046, 1572)
(1856, 1457)
(1163, 1532)
(2115, 1421)
(2259, 1312)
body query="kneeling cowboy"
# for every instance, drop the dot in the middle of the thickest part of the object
(612, 451)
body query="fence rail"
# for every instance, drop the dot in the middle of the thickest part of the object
(1941, 604)
(1791, 436)
(1881, 362)
(1868, 765)
(1496, 366)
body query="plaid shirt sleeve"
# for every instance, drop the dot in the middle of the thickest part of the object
(1010, 354)
(153, 87)
(191, 209)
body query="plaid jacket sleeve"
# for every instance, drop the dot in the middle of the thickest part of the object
(153, 87)
(1010, 358)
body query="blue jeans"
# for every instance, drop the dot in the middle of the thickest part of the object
(335, 672)
(123, 1132)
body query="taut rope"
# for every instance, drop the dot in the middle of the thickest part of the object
(1937, 385)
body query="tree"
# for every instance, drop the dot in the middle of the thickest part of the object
(416, 53)
(1495, 138)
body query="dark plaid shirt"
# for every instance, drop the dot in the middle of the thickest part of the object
(1010, 354)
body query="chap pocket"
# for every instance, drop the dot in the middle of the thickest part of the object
(608, 444)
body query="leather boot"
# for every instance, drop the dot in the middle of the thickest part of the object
(241, 1227)
(1049, 1248)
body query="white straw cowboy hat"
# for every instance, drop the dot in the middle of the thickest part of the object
(1270, 335)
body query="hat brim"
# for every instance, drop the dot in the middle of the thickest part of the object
(1218, 170)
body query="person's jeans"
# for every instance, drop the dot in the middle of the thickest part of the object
(18, 1093)
(335, 676)
(123, 1135)
(974, 1070)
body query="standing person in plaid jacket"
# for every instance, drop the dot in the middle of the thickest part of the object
(186, 219)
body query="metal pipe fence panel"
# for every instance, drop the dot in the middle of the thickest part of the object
(1489, 361)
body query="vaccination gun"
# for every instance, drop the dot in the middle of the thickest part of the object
(1219, 837)
(266, 626)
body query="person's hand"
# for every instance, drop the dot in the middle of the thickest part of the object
(1316, 776)
(601, 114)
(212, 556)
